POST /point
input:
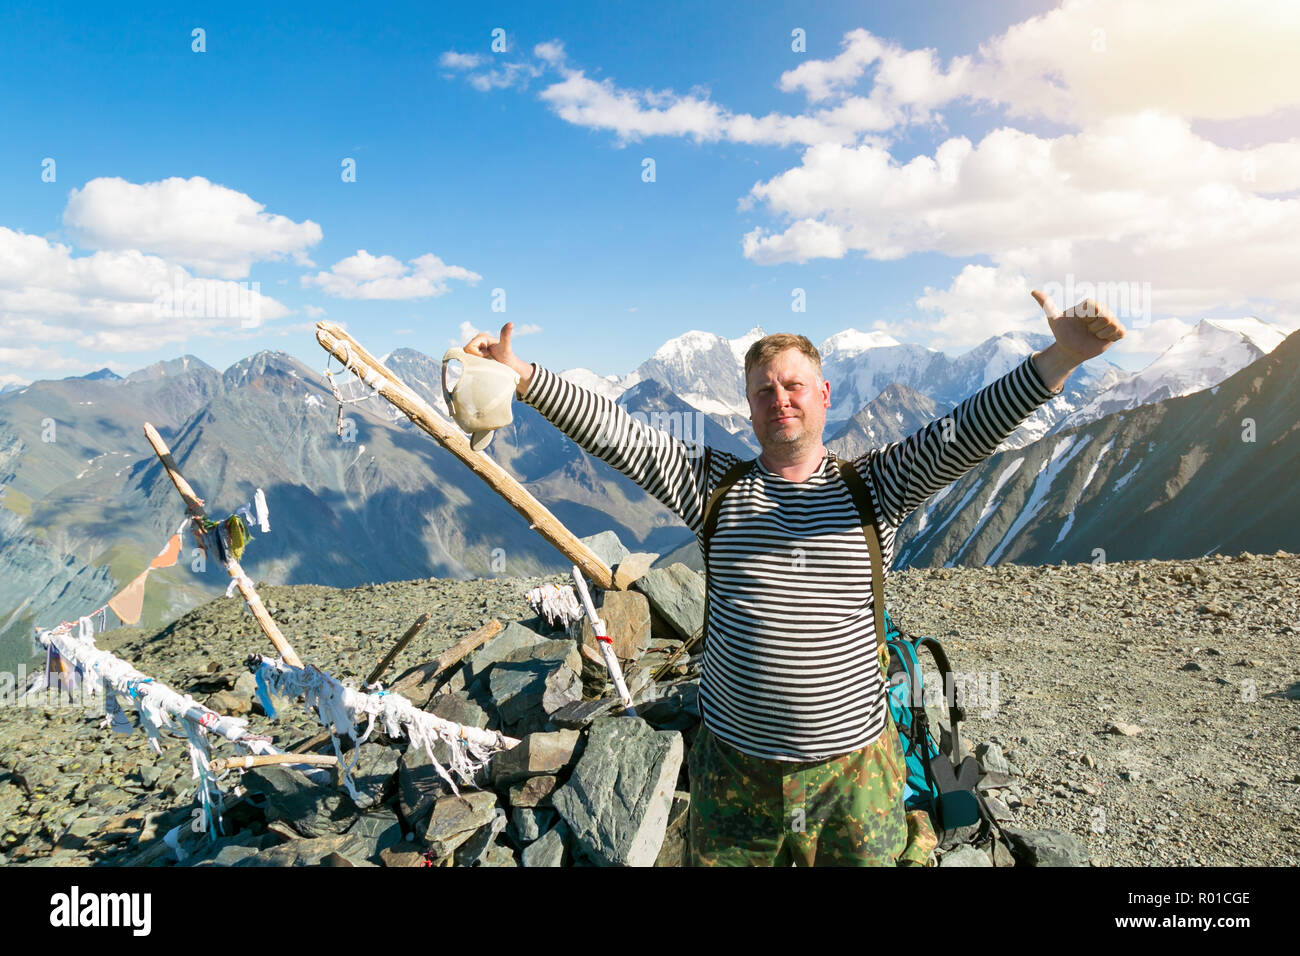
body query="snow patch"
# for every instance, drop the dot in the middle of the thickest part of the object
(1061, 456)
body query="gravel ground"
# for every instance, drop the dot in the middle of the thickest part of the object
(1194, 659)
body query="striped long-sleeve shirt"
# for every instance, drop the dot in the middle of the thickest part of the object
(790, 669)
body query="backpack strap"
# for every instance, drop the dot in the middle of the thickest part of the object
(711, 509)
(862, 499)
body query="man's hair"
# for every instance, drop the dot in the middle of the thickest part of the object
(770, 346)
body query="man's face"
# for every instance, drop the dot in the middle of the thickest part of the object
(787, 402)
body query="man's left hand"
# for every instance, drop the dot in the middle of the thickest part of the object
(1084, 331)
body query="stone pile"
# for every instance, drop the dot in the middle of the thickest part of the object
(588, 784)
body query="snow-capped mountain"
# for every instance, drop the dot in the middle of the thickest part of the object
(606, 385)
(703, 369)
(1214, 350)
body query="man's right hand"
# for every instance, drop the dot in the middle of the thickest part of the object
(484, 346)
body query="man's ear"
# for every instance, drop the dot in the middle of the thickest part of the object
(826, 393)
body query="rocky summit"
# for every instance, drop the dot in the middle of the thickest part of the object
(1132, 713)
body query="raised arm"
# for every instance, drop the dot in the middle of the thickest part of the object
(661, 463)
(907, 472)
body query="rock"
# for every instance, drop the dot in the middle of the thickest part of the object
(149, 774)
(229, 703)
(1088, 761)
(580, 713)
(618, 799)
(533, 792)
(676, 595)
(318, 851)
(607, 547)
(498, 854)
(455, 818)
(376, 765)
(310, 809)
(515, 642)
(377, 831)
(246, 686)
(1119, 727)
(548, 850)
(1046, 848)
(525, 693)
(1192, 666)
(632, 568)
(458, 709)
(1001, 855)
(999, 809)
(537, 753)
(527, 824)
(402, 854)
(995, 781)
(419, 786)
(627, 620)
(965, 856)
(990, 758)
(473, 851)
(674, 849)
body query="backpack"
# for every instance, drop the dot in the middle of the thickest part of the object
(948, 794)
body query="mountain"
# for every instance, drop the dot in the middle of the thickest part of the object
(704, 370)
(1181, 478)
(892, 415)
(1205, 356)
(102, 375)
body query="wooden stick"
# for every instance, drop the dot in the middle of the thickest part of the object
(405, 639)
(195, 505)
(415, 681)
(672, 658)
(342, 346)
(262, 760)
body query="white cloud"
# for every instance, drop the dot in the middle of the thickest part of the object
(363, 276)
(209, 228)
(1135, 199)
(527, 328)
(504, 75)
(461, 61)
(1090, 59)
(313, 311)
(550, 52)
(118, 301)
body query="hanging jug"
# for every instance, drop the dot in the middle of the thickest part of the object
(482, 399)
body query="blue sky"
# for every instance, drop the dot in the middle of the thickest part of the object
(915, 169)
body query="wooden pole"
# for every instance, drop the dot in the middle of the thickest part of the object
(416, 680)
(445, 662)
(342, 346)
(248, 761)
(405, 639)
(195, 505)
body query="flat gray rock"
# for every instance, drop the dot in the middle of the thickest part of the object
(1046, 848)
(676, 594)
(618, 798)
(547, 851)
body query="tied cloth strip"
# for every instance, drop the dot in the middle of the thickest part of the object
(555, 603)
(374, 382)
(159, 708)
(341, 709)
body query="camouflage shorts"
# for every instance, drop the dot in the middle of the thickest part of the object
(844, 811)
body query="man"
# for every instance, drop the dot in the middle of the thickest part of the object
(798, 760)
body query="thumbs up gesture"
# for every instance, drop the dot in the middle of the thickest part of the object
(1085, 330)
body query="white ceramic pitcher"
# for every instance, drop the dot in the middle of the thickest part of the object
(481, 401)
